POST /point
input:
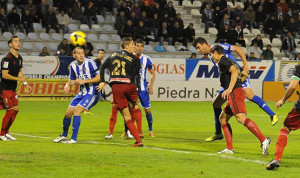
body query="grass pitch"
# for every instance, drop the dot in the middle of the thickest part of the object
(179, 150)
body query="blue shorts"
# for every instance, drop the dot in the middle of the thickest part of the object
(144, 99)
(244, 85)
(86, 101)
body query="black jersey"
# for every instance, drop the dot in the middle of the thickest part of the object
(123, 67)
(13, 64)
(98, 62)
(225, 76)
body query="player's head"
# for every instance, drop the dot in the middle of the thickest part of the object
(14, 43)
(127, 44)
(101, 53)
(139, 47)
(201, 45)
(217, 52)
(78, 54)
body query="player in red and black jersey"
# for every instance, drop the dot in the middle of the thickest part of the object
(11, 73)
(124, 70)
(230, 78)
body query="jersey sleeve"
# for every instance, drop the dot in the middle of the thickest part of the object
(5, 64)
(149, 64)
(72, 73)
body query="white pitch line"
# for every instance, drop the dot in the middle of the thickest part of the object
(161, 149)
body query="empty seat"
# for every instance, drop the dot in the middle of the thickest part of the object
(107, 28)
(104, 37)
(34, 54)
(4, 45)
(28, 46)
(213, 31)
(197, 4)
(37, 27)
(101, 46)
(100, 18)
(171, 48)
(276, 42)
(196, 12)
(84, 27)
(193, 49)
(256, 31)
(246, 31)
(67, 36)
(181, 47)
(32, 36)
(96, 28)
(116, 38)
(45, 36)
(186, 3)
(285, 59)
(245, 51)
(229, 3)
(275, 51)
(23, 54)
(21, 35)
(266, 41)
(112, 47)
(56, 36)
(240, 4)
(7, 35)
(113, 19)
(39, 46)
(92, 37)
(148, 48)
(73, 27)
(156, 56)
(52, 46)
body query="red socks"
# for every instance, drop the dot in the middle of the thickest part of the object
(228, 135)
(113, 119)
(136, 114)
(7, 121)
(254, 129)
(133, 130)
(281, 143)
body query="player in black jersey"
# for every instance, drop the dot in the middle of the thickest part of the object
(11, 73)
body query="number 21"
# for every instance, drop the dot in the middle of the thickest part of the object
(119, 68)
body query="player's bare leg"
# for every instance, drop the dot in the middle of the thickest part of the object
(257, 100)
(66, 124)
(217, 104)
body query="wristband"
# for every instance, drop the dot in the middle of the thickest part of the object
(25, 83)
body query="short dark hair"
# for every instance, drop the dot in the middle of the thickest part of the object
(10, 40)
(125, 41)
(77, 47)
(139, 41)
(101, 50)
(199, 40)
(269, 45)
(217, 49)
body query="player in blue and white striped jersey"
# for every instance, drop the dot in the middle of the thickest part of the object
(144, 88)
(83, 72)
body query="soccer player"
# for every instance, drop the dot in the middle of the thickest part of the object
(291, 122)
(203, 48)
(230, 79)
(83, 72)
(124, 70)
(144, 88)
(11, 73)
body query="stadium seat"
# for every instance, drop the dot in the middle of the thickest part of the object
(171, 48)
(56, 36)
(112, 47)
(193, 49)
(104, 37)
(196, 13)
(28, 46)
(276, 42)
(32, 36)
(275, 58)
(101, 46)
(23, 54)
(229, 3)
(256, 31)
(181, 47)
(116, 38)
(276, 51)
(67, 36)
(246, 31)
(73, 27)
(197, 4)
(148, 48)
(52, 46)
(34, 54)
(245, 51)
(239, 3)
(84, 27)
(247, 41)
(45, 36)
(266, 41)
(160, 48)
(113, 19)
(7, 35)
(156, 56)
(285, 59)
(39, 46)
(21, 35)
(92, 37)
(37, 27)
(4, 45)
(96, 28)
(213, 31)
(187, 3)
(100, 19)
(107, 28)
(9, 7)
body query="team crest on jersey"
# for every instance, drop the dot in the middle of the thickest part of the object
(87, 100)
(5, 65)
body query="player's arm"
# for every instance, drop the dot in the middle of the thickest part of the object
(288, 93)
(240, 52)
(150, 87)
(7, 76)
(96, 79)
(20, 74)
(234, 75)
(244, 76)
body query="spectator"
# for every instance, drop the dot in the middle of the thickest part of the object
(30, 7)
(225, 35)
(297, 57)
(157, 9)
(166, 18)
(51, 21)
(14, 21)
(27, 21)
(271, 27)
(106, 6)
(44, 52)
(144, 18)
(87, 52)
(238, 12)
(254, 49)
(289, 46)
(3, 21)
(3, 4)
(237, 21)
(124, 8)
(252, 56)
(292, 26)
(193, 56)
(77, 13)
(61, 52)
(147, 9)
(164, 34)
(225, 21)
(259, 3)
(64, 45)
(247, 4)
(258, 41)
(136, 9)
(179, 20)
(208, 18)
(90, 13)
(189, 33)
(217, 17)
(282, 26)
(205, 56)
(88, 48)
(204, 4)
(293, 5)
(20, 4)
(298, 28)
(278, 13)
(154, 25)
(249, 17)
(239, 36)
(268, 53)
(42, 9)
(262, 57)
(171, 10)
(229, 11)
(178, 34)
(63, 21)
(260, 17)
(222, 4)
(134, 19)
(141, 32)
(283, 6)
(269, 8)
(162, 3)
(121, 20)
(127, 30)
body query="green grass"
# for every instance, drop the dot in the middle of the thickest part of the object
(178, 150)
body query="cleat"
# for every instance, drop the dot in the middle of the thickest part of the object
(274, 119)
(60, 139)
(226, 151)
(141, 135)
(71, 141)
(129, 135)
(109, 136)
(87, 113)
(265, 146)
(124, 134)
(9, 137)
(3, 138)
(214, 137)
(138, 144)
(152, 134)
(273, 164)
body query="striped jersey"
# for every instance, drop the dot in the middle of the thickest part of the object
(227, 50)
(146, 63)
(87, 70)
